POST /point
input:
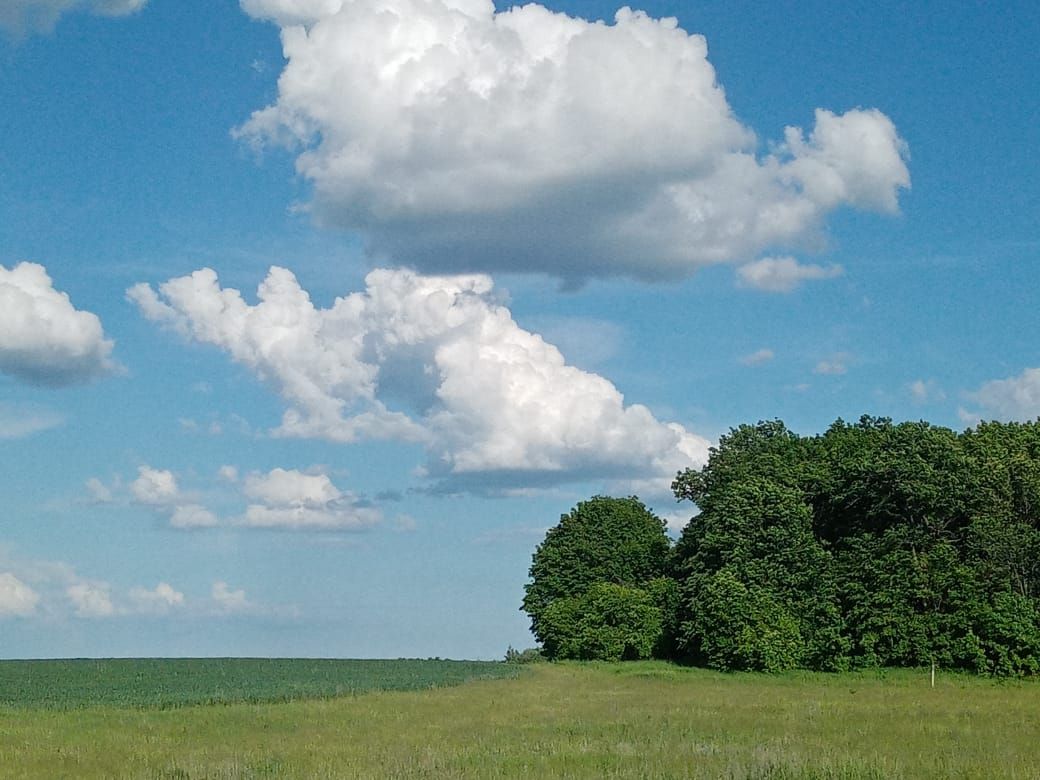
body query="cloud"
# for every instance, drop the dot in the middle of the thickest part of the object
(47, 584)
(676, 520)
(100, 493)
(833, 366)
(294, 500)
(191, 516)
(456, 139)
(44, 340)
(156, 487)
(36, 16)
(20, 420)
(53, 590)
(405, 524)
(159, 600)
(433, 360)
(91, 599)
(782, 274)
(758, 357)
(228, 600)
(16, 598)
(924, 391)
(159, 490)
(1014, 398)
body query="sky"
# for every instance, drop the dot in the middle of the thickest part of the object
(316, 314)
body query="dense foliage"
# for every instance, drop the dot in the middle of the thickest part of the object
(873, 544)
(590, 594)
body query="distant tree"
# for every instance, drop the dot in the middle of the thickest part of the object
(602, 540)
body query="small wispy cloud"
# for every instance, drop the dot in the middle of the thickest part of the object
(926, 391)
(836, 365)
(20, 17)
(757, 358)
(783, 274)
(20, 420)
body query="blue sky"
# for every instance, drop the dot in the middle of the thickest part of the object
(521, 259)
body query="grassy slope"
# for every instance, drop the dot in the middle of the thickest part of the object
(642, 720)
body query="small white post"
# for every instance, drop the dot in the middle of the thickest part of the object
(933, 673)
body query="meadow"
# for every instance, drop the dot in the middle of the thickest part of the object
(640, 720)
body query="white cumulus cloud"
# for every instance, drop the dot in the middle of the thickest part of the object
(287, 498)
(100, 493)
(157, 487)
(16, 598)
(44, 339)
(30, 16)
(1014, 398)
(433, 360)
(160, 599)
(91, 599)
(783, 274)
(228, 600)
(228, 473)
(455, 137)
(190, 516)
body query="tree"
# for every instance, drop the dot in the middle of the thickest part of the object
(740, 627)
(602, 540)
(758, 589)
(872, 544)
(608, 622)
(875, 543)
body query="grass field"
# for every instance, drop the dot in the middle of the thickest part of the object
(642, 720)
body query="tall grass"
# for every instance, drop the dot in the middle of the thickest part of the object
(560, 720)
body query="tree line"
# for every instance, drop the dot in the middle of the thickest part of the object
(872, 544)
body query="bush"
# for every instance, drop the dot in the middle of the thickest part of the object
(529, 656)
(743, 628)
(607, 623)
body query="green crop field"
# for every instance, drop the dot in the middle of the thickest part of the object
(640, 720)
(167, 682)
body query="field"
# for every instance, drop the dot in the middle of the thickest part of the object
(163, 682)
(645, 720)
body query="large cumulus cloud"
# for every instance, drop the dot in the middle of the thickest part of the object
(44, 339)
(433, 360)
(457, 138)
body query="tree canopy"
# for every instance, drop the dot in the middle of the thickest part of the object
(616, 541)
(872, 544)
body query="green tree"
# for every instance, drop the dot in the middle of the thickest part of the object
(608, 622)
(602, 540)
(752, 548)
(745, 628)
